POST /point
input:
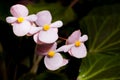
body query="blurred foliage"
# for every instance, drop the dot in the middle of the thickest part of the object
(58, 12)
(51, 76)
(44, 76)
(103, 28)
(5, 7)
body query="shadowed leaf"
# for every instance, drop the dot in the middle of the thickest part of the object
(103, 29)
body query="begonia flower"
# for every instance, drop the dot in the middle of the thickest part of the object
(75, 45)
(49, 31)
(53, 60)
(21, 22)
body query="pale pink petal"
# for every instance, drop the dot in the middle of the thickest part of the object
(42, 49)
(49, 36)
(34, 30)
(54, 46)
(21, 29)
(73, 37)
(57, 24)
(53, 63)
(36, 38)
(65, 48)
(78, 52)
(83, 38)
(65, 62)
(11, 19)
(32, 17)
(44, 17)
(19, 10)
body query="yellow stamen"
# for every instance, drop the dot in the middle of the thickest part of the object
(77, 43)
(20, 19)
(46, 27)
(51, 53)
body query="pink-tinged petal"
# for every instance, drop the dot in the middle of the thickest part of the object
(21, 29)
(83, 38)
(57, 24)
(65, 62)
(73, 37)
(11, 19)
(54, 46)
(78, 52)
(19, 10)
(31, 18)
(44, 17)
(36, 38)
(53, 63)
(42, 49)
(34, 30)
(49, 36)
(65, 48)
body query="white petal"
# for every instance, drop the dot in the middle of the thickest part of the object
(57, 24)
(65, 62)
(32, 17)
(78, 52)
(49, 36)
(35, 37)
(34, 30)
(11, 19)
(21, 29)
(83, 38)
(43, 17)
(54, 46)
(53, 63)
(19, 10)
(73, 37)
(65, 48)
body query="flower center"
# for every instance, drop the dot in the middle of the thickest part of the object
(51, 53)
(46, 27)
(77, 43)
(20, 19)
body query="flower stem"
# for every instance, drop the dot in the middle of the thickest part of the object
(62, 38)
(35, 65)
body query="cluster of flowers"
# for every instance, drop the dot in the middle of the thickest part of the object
(45, 35)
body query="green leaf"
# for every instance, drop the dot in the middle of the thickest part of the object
(100, 67)
(103, 28)
(103, 31)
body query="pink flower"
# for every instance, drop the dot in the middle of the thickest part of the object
(75, 45)
(21, 22)
(52, 60)
(49, 31)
